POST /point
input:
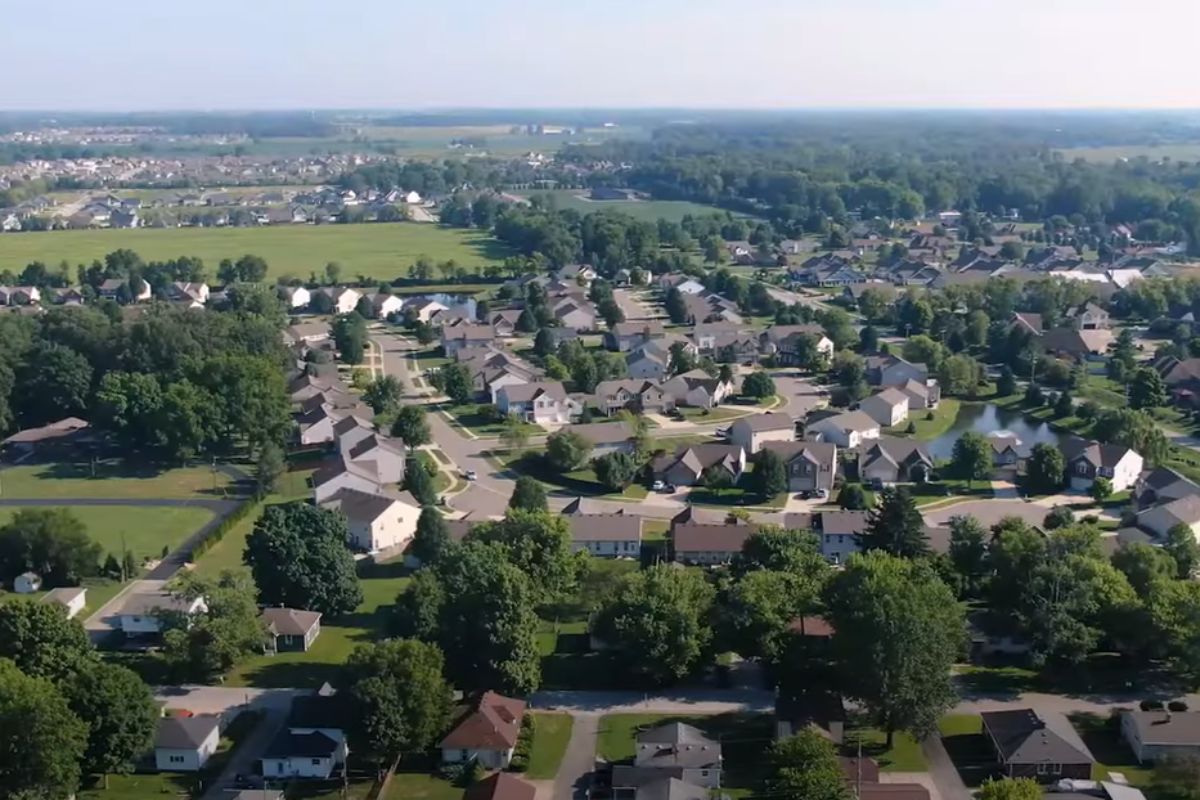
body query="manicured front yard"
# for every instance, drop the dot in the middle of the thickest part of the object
(418, 786)
(718, 414)
(927, 429)
(581, 481)
(144, 531)
(903, 756)
(481, 420)
(111, 478)
(551, 732)
(734, 496)
(1102, 737)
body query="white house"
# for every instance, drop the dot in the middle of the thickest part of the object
(607, 535)
(1087, 461)
(846, 430)
(542, 402)
(142, 612)
(754, 431)
(1154, 735)
(340, 476)
(487, 734)
(295, 296)
(184, 744)
(313, 741)
(386, 304)
(72, 598)
(27, 583)
(887, 407)
(377, 521)
(344, 298)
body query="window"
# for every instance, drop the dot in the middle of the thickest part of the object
(176, 759)
(316, 762)
(1041, 768)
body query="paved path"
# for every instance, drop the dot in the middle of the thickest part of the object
(942, 772)
(575, 773)
(245, 758)
(223, 699)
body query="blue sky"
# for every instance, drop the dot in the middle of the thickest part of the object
(201, 54)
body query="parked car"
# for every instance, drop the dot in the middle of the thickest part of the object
(658, 486)
(822, 494)
(470, 474)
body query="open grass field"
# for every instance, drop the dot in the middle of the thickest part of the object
(145, 531)
(383, 251)
(647, 210)
(112, 479)
(1107, 155)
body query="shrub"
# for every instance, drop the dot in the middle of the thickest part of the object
(1150, 705)
(520, 757)
(1177, 705)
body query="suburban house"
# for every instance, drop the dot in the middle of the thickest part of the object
(189, 292)
(583, 274)
(574, 314)
(540, 403)
(504, 321)
(345, 299)
(708, 543)
(638, 396)
(780, 341)
(71, 598)
(922, 395)
(424, 308)
(1088, 460)
(1154, 735)
(686, 466)
(460, 337)
(1078, 345)
(736, 348)
(697, 389)
(312, 743)
(607, 437)
(501, 786)
(838, 532)
(889, 370)
(1026, 748)
(307, 332)
(673, 750)
(143, 612)
(626, 336)
(1007, 450)
(606, 535)
(385, 305)
(1158, 520)
(752, 432)
(706, 334)
(290, 629)
(1027, 322)
(65, 432)
(1162, 485)
(1182, 377)
(648, 362)
(383, 455)
(891, 459)
(888, 406)
(1088, 317)
(810, 466)
(487, 733)
(848, 429)
(184, 744)
(328, 481)
(294, 297)
(377, 521)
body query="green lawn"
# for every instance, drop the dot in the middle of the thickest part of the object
(551, 732)
(227, 553)
(339, 636)
(479, 419)
(734, 496)
(382, 251)
(356, 789)
(1102, 737)
(1107, 154)
(904, 755)
(972, 754)
(718, 414)
(927, 429)
(144, 531)
(996, 680)
(113, 479)
(152, 786)
(418, 786)
(581, 481)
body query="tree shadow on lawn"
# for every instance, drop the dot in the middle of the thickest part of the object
(533, 465)
(972, 757)
(124, 470)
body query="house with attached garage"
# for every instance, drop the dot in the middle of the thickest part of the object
(574, 314)
(460, 337)
(848, 429)
(345, 299)
(889, 370)
(377, 520)
(616, 535)
(485, 732)
(312, 742)
(343, 474)
(686, 466)
(184, 744)
(888, 406)
(810, 466)
(607, 437)
(638, 396)
(294, 297)
(752, 432)
(290, 629)
(1088, 460)
(672, 750)
(1087, 317)
(922, 395)
(626, 336)
(736, 348)
(706, 334)
(706, 543)
(544, 402)
(1155, 735)
(781, 341)
(891, 459)
(1160, 519)
(385, 305)
(145, 613)
(698, 389)
(1026, 747)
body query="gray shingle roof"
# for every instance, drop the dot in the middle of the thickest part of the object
(184, 733)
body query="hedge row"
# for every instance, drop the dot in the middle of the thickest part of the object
(252, 503)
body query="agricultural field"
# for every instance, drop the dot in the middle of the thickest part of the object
(648, 210)
(419, 141)
(378, 250)
(1107, 155)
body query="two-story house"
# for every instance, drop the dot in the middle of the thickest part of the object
(1088, 460)
(888, 406)
(638, 396)
(810, 466)
(752, 432)
(891, 459)
(460, 337)
(672, 750)
(541, 403)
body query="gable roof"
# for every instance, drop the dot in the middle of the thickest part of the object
(185, 733)
(676, 744)
(317, 710)
(1021, 737)
(896, 450)
(289, 621)
(501, 786)
(526, 392)
(605, 527)
(1166, 727)
(1094, 453)
(759, 423)
(843, 522)
(697, 537)
(303, 745)
(493, 724)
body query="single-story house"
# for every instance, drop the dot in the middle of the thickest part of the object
(687, 464)
(290, 629)
(1026, 747)
(1158, 520)
(606, 535)
(142, 612)
(754, 431)
(708, 543)
(1154, 735)
(67, 431)
(72, 598)
(184, 744)
(607, 437)
(487, 733)
(671, 750)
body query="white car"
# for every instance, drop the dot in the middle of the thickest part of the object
(470, 474)
(658, 486)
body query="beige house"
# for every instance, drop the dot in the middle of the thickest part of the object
(377, 521)
(888, 407)
(846, 430)
(752, 432)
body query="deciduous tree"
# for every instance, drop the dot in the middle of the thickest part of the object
(42, 741)
(39, 639)
(805, 766)
(411, 426)
(528, 495)
(119, 710)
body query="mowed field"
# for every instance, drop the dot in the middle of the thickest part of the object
(380, 250)
(1107, 155)
(648, 210)
(144, 530)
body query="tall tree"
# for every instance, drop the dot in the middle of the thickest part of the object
(1147, 389)
(269, 467)
(805, 767)
(895, 525)
(972, 457)
(969, 552)
(1046, 469)
(567, 451)
(411, 426)
(399, 700)
(201, 646)
(528, 495)
(120, 713)
(432, 538)
(53, 542)
(41, 641)
(537, 542)
(419, 483)
(42, 742)
(1010, 789)
(770, 474)
(298, 556)
(383, 394)
(898, 631)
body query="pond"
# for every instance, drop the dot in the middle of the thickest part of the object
(987, 419)
(453, 300)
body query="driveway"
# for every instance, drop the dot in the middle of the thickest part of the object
(246, 757)
(683, 701)
(223, 699)
(574, 776)
(947, 784)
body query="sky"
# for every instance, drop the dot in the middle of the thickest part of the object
(763, 54)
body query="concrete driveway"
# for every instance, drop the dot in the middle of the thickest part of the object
(988, 512)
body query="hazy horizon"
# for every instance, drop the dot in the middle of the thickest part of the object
(702, 55)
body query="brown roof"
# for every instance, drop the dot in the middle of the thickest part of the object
(605, 527)
(500, 786)
(693, 537)
(493, 724)
(892, 791)
(865, 769)
(843, 521)
(814, 625)
(289, 621)
(54, 430)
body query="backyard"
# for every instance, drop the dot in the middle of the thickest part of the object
(1112, 754)
(143, 530)
(383, 250)
(112, 478)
